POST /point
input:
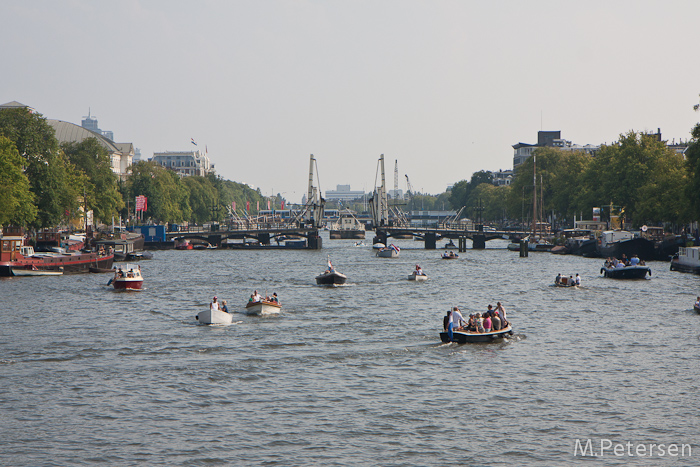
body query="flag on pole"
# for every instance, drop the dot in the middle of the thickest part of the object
(258, 205)
(193, 141)
(282, 204)
(233, 206)
(141, 203)
(268, 204)
(247, 206)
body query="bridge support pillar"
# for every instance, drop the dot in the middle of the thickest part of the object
(430, 240)
(315, 242)
(264, 238)
(479, 242)
(215, 240)
(380, 238)
(523, 249)
(462, 244)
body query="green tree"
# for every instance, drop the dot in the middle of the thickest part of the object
(461, 190)
(202, 197)
(17, 207)
(101, 190)
(53, 180)
(167, 196)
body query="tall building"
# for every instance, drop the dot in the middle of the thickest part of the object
(551, 139)
(343, 193)
(185, 162)
(90, 123)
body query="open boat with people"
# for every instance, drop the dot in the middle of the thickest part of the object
(330, 276)
(127, 278)
(625, 272)
(417, 275)
(214, 314)
(466, 337)
(391, 251)
(449, 255)
(563, 281)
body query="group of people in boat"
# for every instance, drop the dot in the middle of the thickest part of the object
(624, 261)
(493, 319)
(215, 305)
(119, 273)
(255, 297)
(569, 282)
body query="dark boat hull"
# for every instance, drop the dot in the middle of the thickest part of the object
(71, 264)
(628, 272)
(462, 337)
(636, 246)
(333, 278)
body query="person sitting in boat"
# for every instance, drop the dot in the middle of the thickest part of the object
(697, 303)
(578, 279)
(120, 273)
(223, 307)
(624, 260)
(487, 322)
(274, 298)
(214, 305)
(418, 271)
(495, 321)
(557, 279)
(479, 323)
(634, 261)
(257, 297)
(446, 321)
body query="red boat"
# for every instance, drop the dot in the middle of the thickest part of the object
(15, 254)
(127, 278)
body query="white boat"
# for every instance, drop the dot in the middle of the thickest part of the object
(31, 270)
(211, 316)
(392, 251)
(263, 307)
(687, 260)
(417, 277)
(378, 246)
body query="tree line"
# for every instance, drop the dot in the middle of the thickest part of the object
(638, 175)
(45, 184)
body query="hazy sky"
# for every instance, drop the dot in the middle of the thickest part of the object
(444, 87)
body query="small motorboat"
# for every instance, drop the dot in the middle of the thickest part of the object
(184, 245)
(32, 270)
(563, 281)
(214, 316)
(626, 272)
(262, 307)
(467, 337)
(391, 251)
(359, 243)
(450, 255)
(127, 278)
(450, 244)
(330, 276)
(417, 277)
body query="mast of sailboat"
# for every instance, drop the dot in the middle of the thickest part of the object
(534, 197)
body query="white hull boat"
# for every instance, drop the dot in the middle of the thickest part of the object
(214, 317)
(262, 308)
(417, 277)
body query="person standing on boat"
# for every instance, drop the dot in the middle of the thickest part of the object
(502, 314)
(256, 296)
(557, 279)
(214, 305)
(448, 324)
(458, 319)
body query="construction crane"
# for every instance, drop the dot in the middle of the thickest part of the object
(410, 191)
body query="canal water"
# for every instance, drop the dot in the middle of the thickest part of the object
(352, 375)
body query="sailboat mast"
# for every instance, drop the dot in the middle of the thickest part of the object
(534, 195)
